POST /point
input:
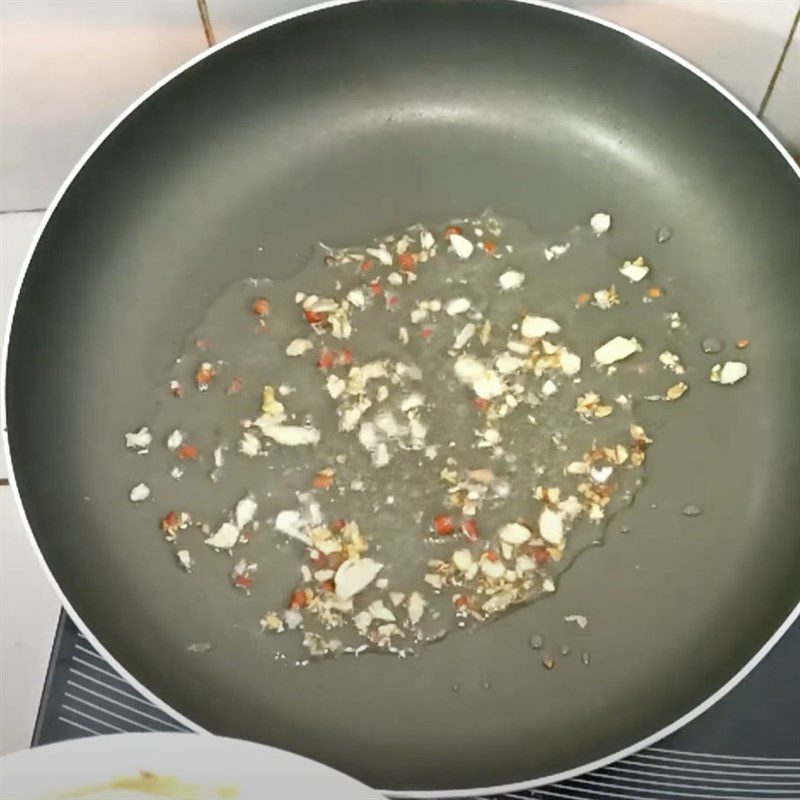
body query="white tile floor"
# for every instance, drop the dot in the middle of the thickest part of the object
(70, 66)
(27, 624)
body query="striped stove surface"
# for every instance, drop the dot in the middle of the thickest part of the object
(746, 747)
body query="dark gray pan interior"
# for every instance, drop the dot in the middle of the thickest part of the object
(361, 119)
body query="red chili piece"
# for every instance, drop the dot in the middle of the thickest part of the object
(344, 358)
(443, 524)
(170, 522)
(470, 529)
(242, 581)
(261, 307)
(204, 376)
(325, 360)
(314, 317)
(406, 262)
(187, 451)
(540, 555)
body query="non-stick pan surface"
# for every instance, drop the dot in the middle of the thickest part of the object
(360, 119)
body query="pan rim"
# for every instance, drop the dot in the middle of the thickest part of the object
(84, 628)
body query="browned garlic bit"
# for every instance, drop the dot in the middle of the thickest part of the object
(437, 362)
(605, 299)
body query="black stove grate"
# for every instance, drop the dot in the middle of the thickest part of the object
(746, 747)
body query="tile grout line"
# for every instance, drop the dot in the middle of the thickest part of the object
(779, 66)
(8, 211)
(208, 28)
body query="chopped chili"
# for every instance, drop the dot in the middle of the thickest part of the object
(187, 451)
(443, 524)
(470, 529)
(261, 307)
(314, 317)
(406, 262)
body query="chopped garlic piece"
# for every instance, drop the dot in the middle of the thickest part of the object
(489, 385)
(291, 435)
(382, 254)
(175, 440)
(485, 383)
(635, 270)
(492, 569)
(462, 560)
(577, 468)
(140, 492)
(570, 363)
(396, 598)
(354, 576)
(225, 538)
(249, 445)
(549, 388)
(600, 222)
(676, 390)
(601, 474)
(511, 280)
(463, 336)
(457, 306)
(291, 523)
(606, 298)
(412, 401)
(729, 373)
(185, 560)
(139, 441)
(357, 298)
(514, 533)
(555, 251)
(416, 607)
(378, 610)
(671, 362)
(335, 386)
(461, 246)
(616, 349)
(536, 327)
(299, 346)
(245, 510)
(506, 364)
(551, 526)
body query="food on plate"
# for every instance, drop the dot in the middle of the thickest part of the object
(149, 785)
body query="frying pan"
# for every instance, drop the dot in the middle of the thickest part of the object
(357, 118)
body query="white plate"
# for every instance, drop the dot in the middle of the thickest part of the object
(214, 768)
